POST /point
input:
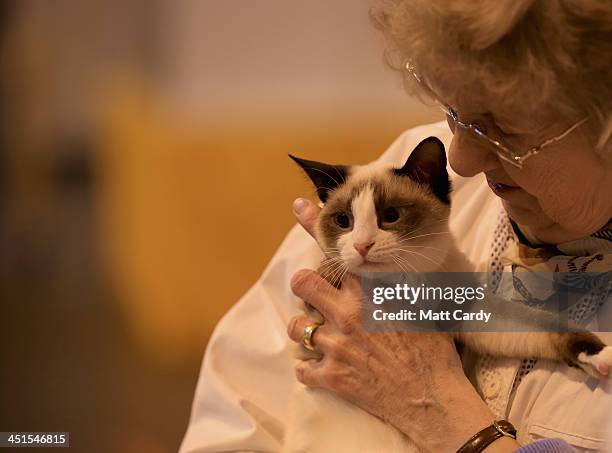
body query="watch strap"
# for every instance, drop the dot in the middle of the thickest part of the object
(485, 437)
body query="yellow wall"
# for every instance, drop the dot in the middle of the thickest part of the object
(193, 210)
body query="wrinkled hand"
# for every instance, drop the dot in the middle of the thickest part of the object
(412, 381)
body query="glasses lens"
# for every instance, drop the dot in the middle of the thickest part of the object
(496, 145)
(479, 129)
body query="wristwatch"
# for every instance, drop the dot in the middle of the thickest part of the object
(482, 439)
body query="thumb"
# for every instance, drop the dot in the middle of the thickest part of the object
(306, 213)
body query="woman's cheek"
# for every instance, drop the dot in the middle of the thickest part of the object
(558, 202)
(528, 217)
(538, 178)
(577, 208)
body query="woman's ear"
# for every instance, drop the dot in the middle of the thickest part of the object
(325, 177)
(427, 165)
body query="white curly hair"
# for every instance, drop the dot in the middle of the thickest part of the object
(559, 47)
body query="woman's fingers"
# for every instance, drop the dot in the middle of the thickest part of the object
(306, 213)
(325, 341)
(315, 290)
(326, 373)
(310, 373)
(296, 327)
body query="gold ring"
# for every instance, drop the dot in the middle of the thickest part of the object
(309, 331)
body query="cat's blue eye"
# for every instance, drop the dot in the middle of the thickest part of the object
(342, 220)
(391, 215)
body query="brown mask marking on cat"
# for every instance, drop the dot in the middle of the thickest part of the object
(419, 190)
(418, 208)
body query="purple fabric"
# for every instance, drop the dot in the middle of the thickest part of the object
(547, 446)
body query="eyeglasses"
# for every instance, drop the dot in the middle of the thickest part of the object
(514, 158)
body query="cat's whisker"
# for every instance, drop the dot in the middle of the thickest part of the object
(332, 253)
(410, 237)
(338, 275)
(422, 247)
(331, 258)
(332, 269)
(427, 225)
(403, 267)
(429, 258)
(437, 263)
(425, 235)
(328, 266)
(337, 279)
(325, 173)
(410, 265)
(338, 269)
(398, 264)
(411, 233)
(334, 250)
(340, 174)
(400, 260)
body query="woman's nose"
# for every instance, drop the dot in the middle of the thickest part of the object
(468, 156)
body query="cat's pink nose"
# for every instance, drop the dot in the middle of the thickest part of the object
(363, 248)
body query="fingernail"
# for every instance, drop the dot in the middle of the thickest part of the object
(299, 205)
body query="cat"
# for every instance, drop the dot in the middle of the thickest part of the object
(364, 226)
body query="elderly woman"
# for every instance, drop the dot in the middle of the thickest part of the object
(527, 88)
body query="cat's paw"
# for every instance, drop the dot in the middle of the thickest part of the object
(597, 365)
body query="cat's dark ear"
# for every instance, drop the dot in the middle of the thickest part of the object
(325, 177)
(427, 165)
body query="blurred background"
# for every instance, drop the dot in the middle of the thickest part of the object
(144, 184)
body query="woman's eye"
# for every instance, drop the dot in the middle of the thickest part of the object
(342, 220)
(391, 215)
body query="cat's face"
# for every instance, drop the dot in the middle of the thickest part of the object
(378, 218)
